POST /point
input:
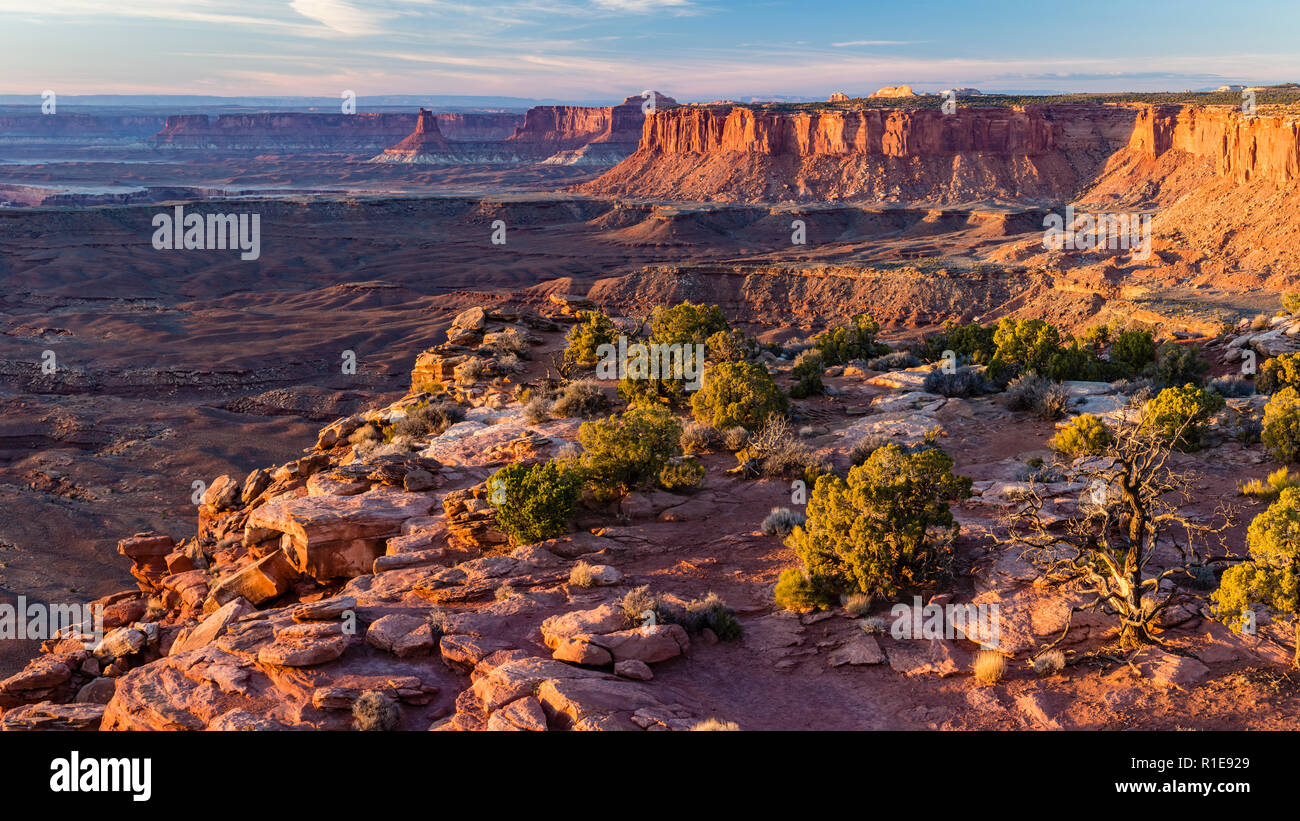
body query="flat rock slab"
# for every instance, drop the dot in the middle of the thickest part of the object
(937, 657)
(858, 650)
(49, 716)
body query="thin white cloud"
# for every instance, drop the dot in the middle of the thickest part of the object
(848, 43)
(344, 17)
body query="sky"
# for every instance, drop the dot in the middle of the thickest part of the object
(602, 50)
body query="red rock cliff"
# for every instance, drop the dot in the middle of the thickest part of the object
(569, 127)
(894, 133)
(1035, 153)
(1242, 148)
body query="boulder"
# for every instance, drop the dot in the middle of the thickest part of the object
(213, 626)
(403, 635)
(633, 669)
(305, 645)
(222, 493)
(521, 714)
(257, 582)
(330, 537)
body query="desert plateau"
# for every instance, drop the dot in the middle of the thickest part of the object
(963, 399)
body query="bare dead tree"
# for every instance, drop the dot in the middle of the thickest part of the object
(1131, 509)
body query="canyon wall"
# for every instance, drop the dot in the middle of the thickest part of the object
(1244, 149)
(1012, 154)
(78, 129)
(1029, 154)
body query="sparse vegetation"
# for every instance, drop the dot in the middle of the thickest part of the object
(1281, 433)
(735, 438)
(1133, 508)
(1049, 663)
(807, 375)
(580, 575)
(593, 330)
(427, 420)
(781, 521)
(1272, 487)
(374, 711)
(1180, 415)
(1086, 435)
(886, 528)
(737, 393)
(534, 503)
(699, 437)
(1271, 577)
(896, 361)
(580, 398)
(681, 474)
(856, 340)
(990, 666)
(622, 452)
(959, 383)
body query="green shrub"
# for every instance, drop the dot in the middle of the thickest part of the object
(1023, 345)
(737, 393)
(856, 340)
(686, 324)
(971, 343)
(593, 330)
(1291, 302)
(1270, 577)
(807, 375)
(887, 528)
(534, 502)
(1281, 434)
(1179, 415)
(1178, 365)
(794, 591)
(1132, 352)
(683, 474)
(1279, 372)
(622, 452)
(731, 346)
(1086, 435)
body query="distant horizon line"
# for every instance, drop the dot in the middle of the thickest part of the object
(411, 98)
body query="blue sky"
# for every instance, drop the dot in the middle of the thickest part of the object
(605, 49)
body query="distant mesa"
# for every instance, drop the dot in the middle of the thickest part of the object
(550, 135)
(838, 97)
(895, 91)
